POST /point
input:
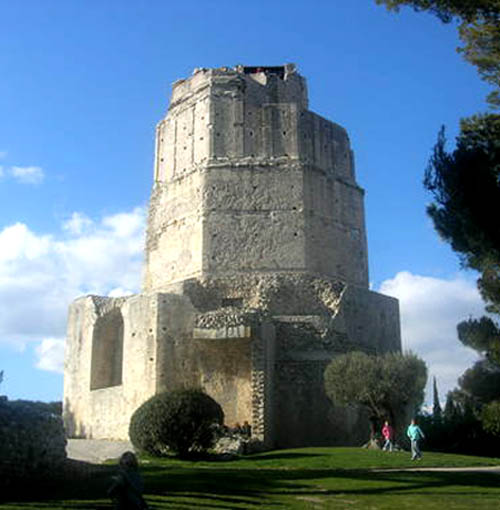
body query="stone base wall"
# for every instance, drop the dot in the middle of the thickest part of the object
(257, 344)
(154, 328)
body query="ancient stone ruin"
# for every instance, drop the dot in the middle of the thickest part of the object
(256, 271)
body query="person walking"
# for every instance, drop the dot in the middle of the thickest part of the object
(414, 432)
(388, 434)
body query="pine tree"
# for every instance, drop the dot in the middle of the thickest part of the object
(450, 409)
(436, 408)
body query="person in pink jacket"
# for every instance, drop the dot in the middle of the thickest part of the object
(388, 433)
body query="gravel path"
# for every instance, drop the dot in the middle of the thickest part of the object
(473, 469)
(96, 450)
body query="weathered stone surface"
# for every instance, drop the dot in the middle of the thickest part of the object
(247, 179)
(151, 324)
(255, 270)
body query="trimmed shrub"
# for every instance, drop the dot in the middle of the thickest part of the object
(180, 421)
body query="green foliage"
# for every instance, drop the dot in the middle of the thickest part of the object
(460, 430)
(465, 186)
(482, 49)
(36, 406)
(481, 382)
(479, 30)
(181, 421)
(446, 10)
(349, 379)
(482, 335)
(490, 417)
(384, 384)
(489, 286)
(451, 411)
(436, 407)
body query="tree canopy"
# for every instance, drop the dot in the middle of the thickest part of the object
(481, 382)
(436, 407)
(465, 185)
(483, 336)
(384, 384)
(490, 417)
(446, 10)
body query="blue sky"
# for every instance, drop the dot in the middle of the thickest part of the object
(83, 83)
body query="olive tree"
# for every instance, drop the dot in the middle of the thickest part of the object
(383, 384)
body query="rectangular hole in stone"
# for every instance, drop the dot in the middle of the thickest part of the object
(234, 302)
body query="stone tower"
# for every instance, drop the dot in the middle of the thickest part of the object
(255, 271)
(248, 180)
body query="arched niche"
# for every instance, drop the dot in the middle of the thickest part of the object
(107, 351)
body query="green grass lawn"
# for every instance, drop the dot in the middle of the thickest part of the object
(313, 478)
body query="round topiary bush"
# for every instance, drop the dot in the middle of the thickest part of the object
(181, 421)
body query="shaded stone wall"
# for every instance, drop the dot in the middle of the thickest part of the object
(236, 350)
(304, 415)
(107, 351)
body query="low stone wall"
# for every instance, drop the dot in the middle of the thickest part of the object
(32, 445)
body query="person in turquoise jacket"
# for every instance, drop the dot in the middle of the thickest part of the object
(414, 432)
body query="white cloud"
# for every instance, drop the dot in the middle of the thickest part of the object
(19, 244)
(430, 310)
(27, 174)
(123, 225)
(1, 171)
(50, 355)
(78, 224)
(41, 274)
(119, 292)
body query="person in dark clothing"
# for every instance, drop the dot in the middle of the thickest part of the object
(127, 486)
(246, 429)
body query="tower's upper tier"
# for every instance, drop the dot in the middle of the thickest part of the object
(248, 180)
(250, 115)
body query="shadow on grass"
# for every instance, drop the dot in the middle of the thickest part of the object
(230, 488)
(283, 456)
